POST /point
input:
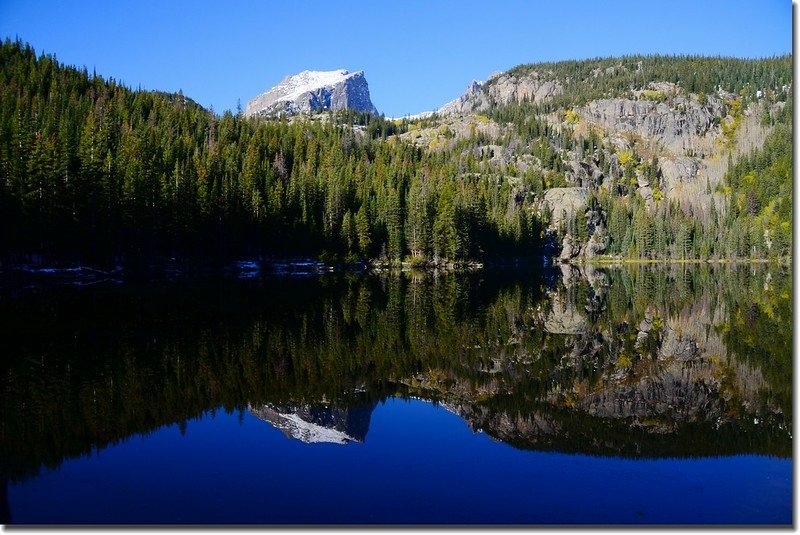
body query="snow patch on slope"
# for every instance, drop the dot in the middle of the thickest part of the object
(294, 86)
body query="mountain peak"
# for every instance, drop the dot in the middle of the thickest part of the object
(310, 91)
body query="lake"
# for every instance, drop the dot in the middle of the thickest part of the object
(643, 394)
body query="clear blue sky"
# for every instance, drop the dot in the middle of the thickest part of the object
(417, 54)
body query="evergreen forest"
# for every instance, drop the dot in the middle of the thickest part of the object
(93, 171)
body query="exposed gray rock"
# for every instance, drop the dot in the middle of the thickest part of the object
(677, 171)
(569, 249)
(312, 91)
(597, 244)
(564, 203)
(645, 326)
(533, 87)
(449, 129)
(681, 392)
(570, 275)
(676, 124)
(642, 180)
(584, 174)
(564, 317)
(597, 278)
(503, 89)
(647, 194)
(679, 345)
(464, 103)
(595, 219)
(496, 154)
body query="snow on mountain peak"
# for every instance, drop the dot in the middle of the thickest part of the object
(314, 91)
(294, 86)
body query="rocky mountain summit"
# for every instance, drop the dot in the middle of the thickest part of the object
(465, 102)
(312, 91)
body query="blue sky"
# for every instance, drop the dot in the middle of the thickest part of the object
(417, 54)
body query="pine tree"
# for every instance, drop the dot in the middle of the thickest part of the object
(363, 232)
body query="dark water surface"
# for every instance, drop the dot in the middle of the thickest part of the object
(645, 395)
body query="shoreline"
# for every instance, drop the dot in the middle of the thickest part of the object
(39, 270)
(685, 261)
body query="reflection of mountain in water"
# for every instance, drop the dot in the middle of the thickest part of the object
(661, 376)
(641, 361)
(318, 423)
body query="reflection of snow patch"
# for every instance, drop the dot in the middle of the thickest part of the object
(248, 269)
(310, 432)
(76, 276)
(298, 268)
(319, 422)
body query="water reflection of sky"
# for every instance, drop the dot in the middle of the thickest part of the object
(418, 464)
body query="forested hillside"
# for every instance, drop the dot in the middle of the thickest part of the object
(585, 80)
(91, 170)
(649, 156)
(754, 219)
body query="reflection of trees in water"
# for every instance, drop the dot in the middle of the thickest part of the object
(635, 361)
(5, 510)
(668, 355)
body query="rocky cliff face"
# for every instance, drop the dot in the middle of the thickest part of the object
(564, 203)
(502, 88)
(312, 91)
(464, 103)
(676, 125)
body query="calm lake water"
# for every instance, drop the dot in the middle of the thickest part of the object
(641, 395)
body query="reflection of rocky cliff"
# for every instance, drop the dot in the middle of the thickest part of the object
(549, 428)
(642, 360)
(318, 423)
(659, 380)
